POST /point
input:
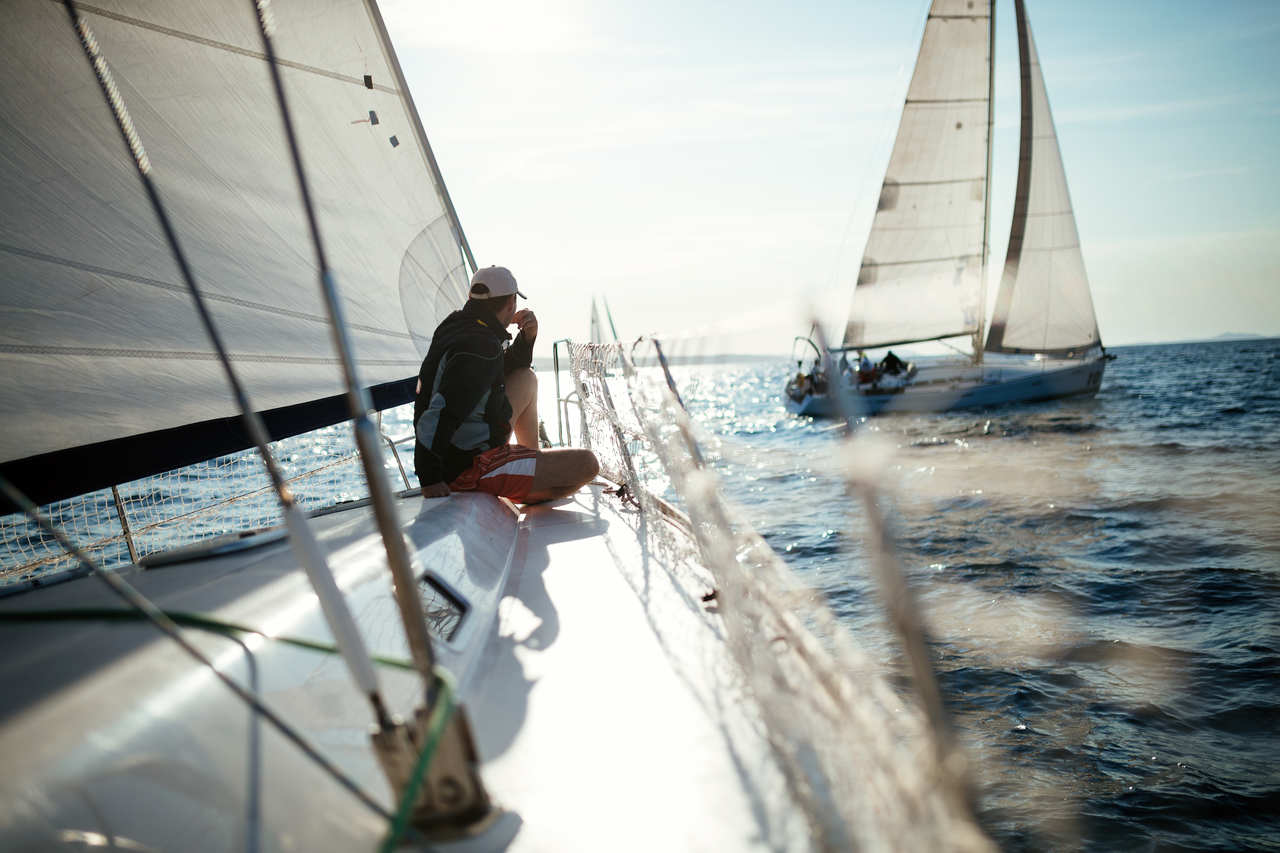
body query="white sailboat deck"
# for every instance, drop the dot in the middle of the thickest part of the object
(599, 688)
(596, 710)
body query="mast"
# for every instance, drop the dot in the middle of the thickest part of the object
(986, 216)
(609, 316)
(1022, 192)
(596, 335)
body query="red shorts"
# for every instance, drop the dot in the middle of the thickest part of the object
(506, 471)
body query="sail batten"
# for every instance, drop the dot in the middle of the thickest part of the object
(101, 341)
(924, 254)
(940, 182)
(872, 264)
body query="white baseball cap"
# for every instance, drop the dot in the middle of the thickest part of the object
(494, 282)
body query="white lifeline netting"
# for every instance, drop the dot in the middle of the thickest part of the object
(859, 762)
(229, 494)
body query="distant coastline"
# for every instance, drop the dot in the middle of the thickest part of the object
(1225, 337)
(544, 362)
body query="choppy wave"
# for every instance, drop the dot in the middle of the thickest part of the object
(1102, 579)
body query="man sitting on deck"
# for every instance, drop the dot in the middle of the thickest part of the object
(475, 393)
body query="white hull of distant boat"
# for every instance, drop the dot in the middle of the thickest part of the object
(961, 386)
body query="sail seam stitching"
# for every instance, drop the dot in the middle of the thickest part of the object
(180, 355)
(230, 48)
(894, 343)
(917, 261)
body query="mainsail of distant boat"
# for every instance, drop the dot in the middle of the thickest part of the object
(923, 274)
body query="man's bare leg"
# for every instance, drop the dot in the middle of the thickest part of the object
(522, 391)
(562, 472)
(557, 473)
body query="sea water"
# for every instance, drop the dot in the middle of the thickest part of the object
(1100, 577)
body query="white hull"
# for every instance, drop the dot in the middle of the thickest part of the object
(947, 386)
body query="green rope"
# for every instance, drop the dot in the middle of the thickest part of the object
(436, 723)
(190, 620)
(445, 705)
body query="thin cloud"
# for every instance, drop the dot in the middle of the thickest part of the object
(1264, 238)
(1129, 112)
(1197, 174)
(716, 105)
(510, 29)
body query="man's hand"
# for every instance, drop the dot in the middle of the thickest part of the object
(436, 490)
(527, 322)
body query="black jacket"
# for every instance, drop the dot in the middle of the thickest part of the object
(461, 408)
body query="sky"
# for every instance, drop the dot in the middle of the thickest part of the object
(711, 168)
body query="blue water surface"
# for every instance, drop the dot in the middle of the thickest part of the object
(1101, 578)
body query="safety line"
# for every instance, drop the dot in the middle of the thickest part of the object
(189, 620)
(156, 616)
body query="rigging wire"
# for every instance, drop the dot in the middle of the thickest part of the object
(903, 610)
(398, 560)
(306, 546)
(714, 513)
(301, 538)
(187, 619)
(166, 625)
(882, 150)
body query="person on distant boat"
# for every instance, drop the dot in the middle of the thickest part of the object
(818, 378)
(891, 365)
(866, 370)
(798, 387)
(476, 391)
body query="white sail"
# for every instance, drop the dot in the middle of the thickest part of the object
(1044, 304)
(921, 274)
(100, 340)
